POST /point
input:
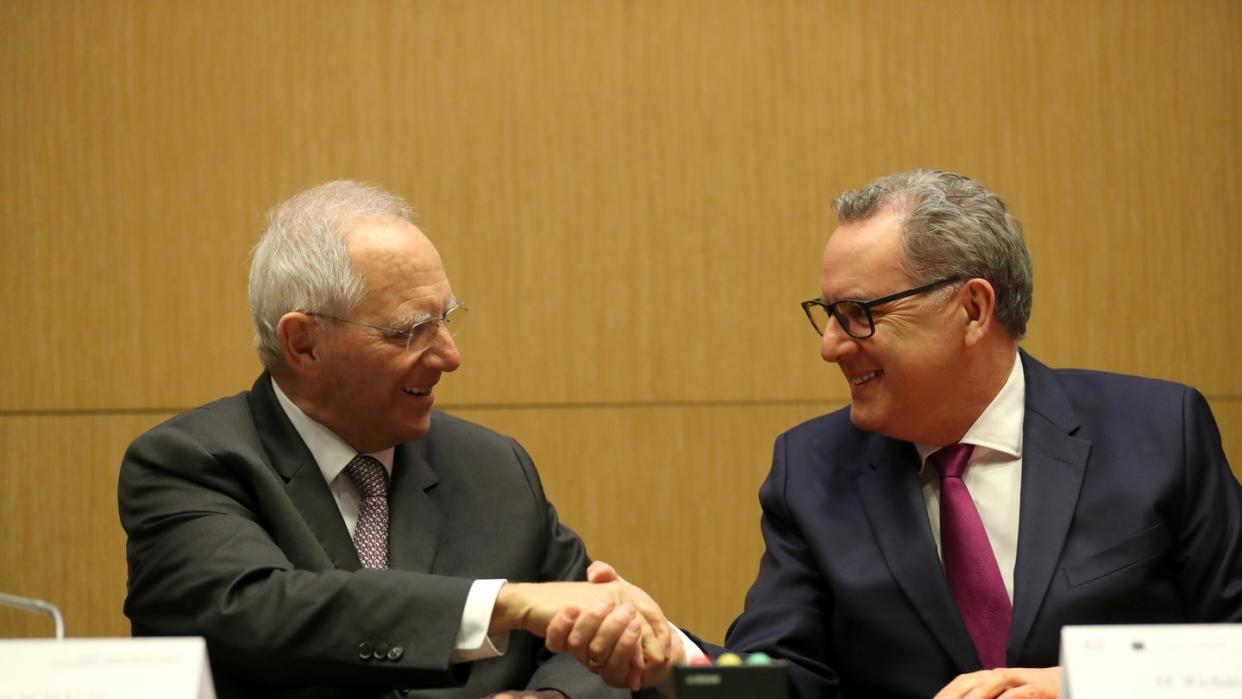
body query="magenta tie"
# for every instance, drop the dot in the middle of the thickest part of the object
(371, 535)
(974, 577)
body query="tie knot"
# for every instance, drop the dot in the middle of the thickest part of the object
(952, 460)
(369, 475)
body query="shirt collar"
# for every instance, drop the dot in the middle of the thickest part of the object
(330, 451)
(999, 427)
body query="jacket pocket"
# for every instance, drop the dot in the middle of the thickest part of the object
(1145, 545)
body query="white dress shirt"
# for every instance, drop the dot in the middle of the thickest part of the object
(993, 475)
(333, 455)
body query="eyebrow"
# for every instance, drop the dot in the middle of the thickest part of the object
(417, 317)
(847, 297)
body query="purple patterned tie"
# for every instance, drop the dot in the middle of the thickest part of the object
(371, 536)
(973, 575)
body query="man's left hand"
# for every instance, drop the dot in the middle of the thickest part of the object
(1006, 683)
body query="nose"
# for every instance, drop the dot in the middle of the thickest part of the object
(442, 354)
(836, 344)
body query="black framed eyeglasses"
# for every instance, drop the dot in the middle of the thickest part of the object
(854, 317)
(421, 334)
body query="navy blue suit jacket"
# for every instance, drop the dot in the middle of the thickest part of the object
(1129, 514)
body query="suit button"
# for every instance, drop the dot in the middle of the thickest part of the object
(395, 652)
(364, 650)
(381, 651)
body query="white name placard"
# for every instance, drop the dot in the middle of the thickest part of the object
(105, 668)
(1152, 662)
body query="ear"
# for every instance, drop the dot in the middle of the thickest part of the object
(298, 334)
(979, 303)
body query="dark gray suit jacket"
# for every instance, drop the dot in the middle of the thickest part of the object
(235, 536)
(1129, 514)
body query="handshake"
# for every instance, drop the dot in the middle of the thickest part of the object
(614, 628)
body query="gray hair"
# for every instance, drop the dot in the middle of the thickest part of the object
(953, 228)
(302, 263)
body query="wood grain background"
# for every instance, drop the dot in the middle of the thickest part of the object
(631, 195)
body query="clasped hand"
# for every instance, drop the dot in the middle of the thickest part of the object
(611, 639)
(614, 628)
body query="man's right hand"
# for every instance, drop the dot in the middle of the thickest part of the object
(605, 638)
(628, 629)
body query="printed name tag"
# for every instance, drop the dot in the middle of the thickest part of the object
(1151, 662)
(113, 668)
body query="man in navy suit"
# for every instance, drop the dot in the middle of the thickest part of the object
(1086, 497)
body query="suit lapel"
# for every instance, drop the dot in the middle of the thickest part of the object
(893, 500)
(1053, 465)
(415, 521)
(304, 483)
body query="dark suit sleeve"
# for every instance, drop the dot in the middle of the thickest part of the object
(1208, 558)
(205, 559)
(787, 608)
(565, 559)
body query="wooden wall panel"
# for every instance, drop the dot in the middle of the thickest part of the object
(668, 494)
(631, 195)
(1228, 413)
(63, 540)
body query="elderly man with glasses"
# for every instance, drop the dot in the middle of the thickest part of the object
(933, 537)
(327, 532)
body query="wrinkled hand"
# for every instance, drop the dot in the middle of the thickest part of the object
(1006, 683)
(607, 639)
(635, 631)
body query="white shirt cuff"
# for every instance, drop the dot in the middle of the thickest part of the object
(690, 648)
(473, 642)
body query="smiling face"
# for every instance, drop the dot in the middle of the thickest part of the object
(903, 379)
(369, 390)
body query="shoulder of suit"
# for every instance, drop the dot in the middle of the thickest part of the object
(836, 418)
(220, 419)
(1118, 386)
(446, 426)
(833, 426)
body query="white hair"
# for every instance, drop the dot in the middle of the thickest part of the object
(302, 263)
